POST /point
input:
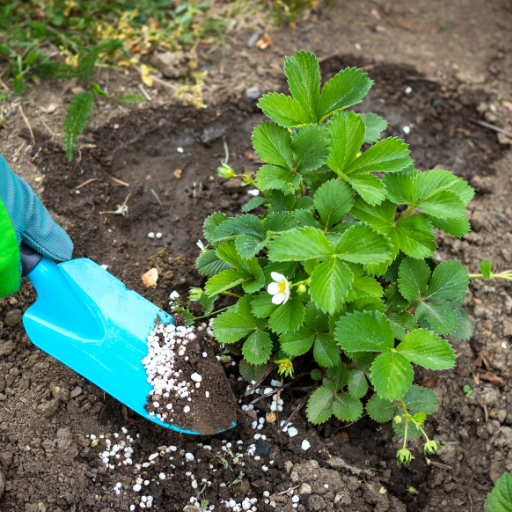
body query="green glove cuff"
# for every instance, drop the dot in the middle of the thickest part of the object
(9, 255)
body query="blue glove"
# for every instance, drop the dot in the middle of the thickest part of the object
(31, 221)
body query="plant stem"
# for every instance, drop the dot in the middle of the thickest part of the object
(406, 422)
(406, 213)
(506, 274)
(232, 294)
(210, 314)
(298, 283)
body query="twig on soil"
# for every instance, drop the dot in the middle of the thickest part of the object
(399, 23)
(145, 93)
(469, 492)
(37, 154)
(157, 198)
(439, 465)
(119, 182)
(87, 182)
(287, 490)
(1, 82)
(296, 410)
(226, 153)
(491, 127)
(50, 131)
(422, 79)
(28, 124)
(266, 373)
(19, 149)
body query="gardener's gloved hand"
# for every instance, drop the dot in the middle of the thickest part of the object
(23, 219)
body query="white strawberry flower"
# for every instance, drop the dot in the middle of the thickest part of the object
(279, 288)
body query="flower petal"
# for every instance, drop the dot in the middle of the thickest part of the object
(273, 288)
(276, 276)
(278, 299)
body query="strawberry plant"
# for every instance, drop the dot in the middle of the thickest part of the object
(335, 260)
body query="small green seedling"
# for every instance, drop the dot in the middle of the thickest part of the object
(335, 259)
(467, 390)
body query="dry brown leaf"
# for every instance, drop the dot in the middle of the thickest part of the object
(430, 382)
(150, 278)
(484, 358)
(270, 417)
(178, 173)
(492, 377)
(264, 42)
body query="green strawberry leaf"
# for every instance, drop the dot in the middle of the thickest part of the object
(333, 200)
(319, 408)
(271, 177)
(325, 351)
(257, 348)
(392, 375)
(300, 245)
(345, 89)
(373, 125)
(282, 109)
(441, 318)
(346, 130)
(380, 409)
(288, 317)
(464, 329)
(208, 263)
(413, 278)
(427, 349)
(419, 399)
(311, 147)
(272, 143)
(369, 331)
(449, 282)
(357, 384)
(212, 223)
(303, 74)
(346, 408)
(330, 284)
(299, 342)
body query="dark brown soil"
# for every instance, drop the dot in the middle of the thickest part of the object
(45, 434)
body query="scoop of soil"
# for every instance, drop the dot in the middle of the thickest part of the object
(190, 389)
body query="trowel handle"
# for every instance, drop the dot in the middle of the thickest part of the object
(29, 259)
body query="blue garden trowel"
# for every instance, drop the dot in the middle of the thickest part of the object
(90, 321)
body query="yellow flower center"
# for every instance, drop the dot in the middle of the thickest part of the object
(281, 286)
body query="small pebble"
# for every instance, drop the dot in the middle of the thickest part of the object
(306, 445)
(151, 235)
